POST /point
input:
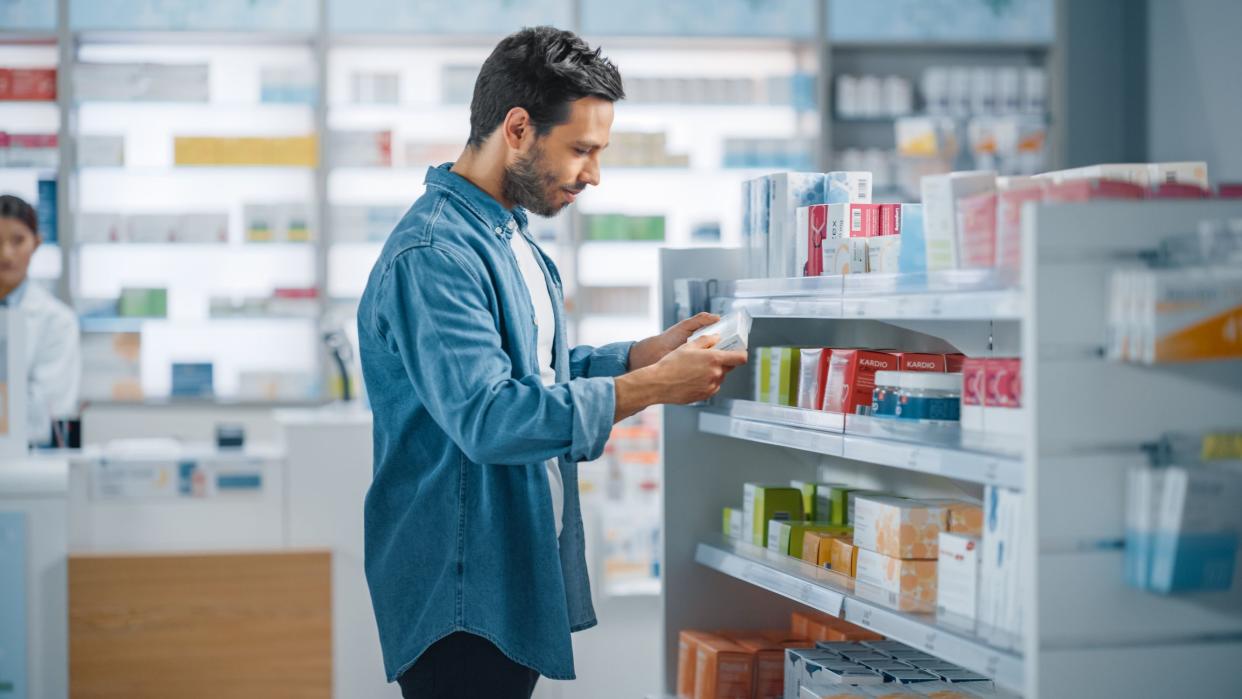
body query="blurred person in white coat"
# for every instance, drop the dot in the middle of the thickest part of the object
(53, 346)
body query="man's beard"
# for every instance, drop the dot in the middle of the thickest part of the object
(529, 185)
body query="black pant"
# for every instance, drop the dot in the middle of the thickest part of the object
(464, 666)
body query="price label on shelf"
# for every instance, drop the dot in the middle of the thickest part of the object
(991, 665)
(751, 431)
(929, 642)
(923, 460)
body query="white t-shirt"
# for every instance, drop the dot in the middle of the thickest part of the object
(545, 334)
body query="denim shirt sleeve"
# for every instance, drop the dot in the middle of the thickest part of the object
(434, 312)
(609, 360)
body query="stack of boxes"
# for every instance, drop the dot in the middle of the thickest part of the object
(818, 653)
(808, 224)
(898, 541)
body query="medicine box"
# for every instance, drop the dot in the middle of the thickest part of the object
(844, 557)
(784, 381)
(724, 670)
(1087, 190)
(1002, 397)
(823, 502)
(864, 220)
(769, 664)
(907, 585)
(974, 376)
(812, 228)
(796, 660)
(687, 660)
(786, 536)
(836, 246)
(897, 527)
(1011, 194)
(763, 374)
(957, 577)
(910, 224)
(812, 377)
(940, 200)
(884, 254)
(916, 361)
(759, 227)
(851, 379)
(1001, 574)
(976, 224)
(858, 255)
(1196, 538)
(843, 187)
(732, 522)
(732, 331)
(1194, 173)
(763, 503)
(788, 191)
(817, 548)
(1192, 315)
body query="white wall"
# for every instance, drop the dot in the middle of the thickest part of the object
(1195, 93)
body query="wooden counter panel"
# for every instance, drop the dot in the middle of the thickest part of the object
(201, 625)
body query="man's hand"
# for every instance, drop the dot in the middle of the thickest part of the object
(688, 374)
(647, 352)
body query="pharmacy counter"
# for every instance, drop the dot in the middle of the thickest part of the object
(329, 471)
(34, 645)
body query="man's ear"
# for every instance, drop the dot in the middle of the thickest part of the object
(517, 129)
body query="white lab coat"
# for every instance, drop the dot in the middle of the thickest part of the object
(53, 361)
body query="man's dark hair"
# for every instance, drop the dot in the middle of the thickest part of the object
(542, 70)
(15, 207)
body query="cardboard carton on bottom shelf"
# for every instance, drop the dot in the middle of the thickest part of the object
(724, 670)
(687, 660)
(769, 681)
(906, 585)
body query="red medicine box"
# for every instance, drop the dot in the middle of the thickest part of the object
(913, 361)
(864, 220)
(816, 232)
(851, 378)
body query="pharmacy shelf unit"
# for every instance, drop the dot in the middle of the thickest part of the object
(1085, 633)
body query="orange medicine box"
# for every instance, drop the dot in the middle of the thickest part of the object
(724, 670)
(817, 547)
(907, 585)
(687, 660)
(844, 557)
(898, 527)
(769, 682)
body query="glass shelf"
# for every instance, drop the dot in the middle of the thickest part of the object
(927, 447)
(983, 294)
(984, 651)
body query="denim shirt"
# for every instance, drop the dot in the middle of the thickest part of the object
(458, 520)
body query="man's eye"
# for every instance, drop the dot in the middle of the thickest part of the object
(582, 151)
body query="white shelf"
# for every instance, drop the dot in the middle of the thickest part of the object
(954, 295)
(837, 595)
(935, 448)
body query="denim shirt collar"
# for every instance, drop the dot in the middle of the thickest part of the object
(503, 222)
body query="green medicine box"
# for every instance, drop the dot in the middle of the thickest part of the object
(763, 503)
(732, 524)
(824, 502)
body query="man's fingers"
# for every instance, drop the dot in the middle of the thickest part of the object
(706, 342)
(700, 320)
(732, 359)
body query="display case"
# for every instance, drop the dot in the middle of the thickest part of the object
(1078, 628)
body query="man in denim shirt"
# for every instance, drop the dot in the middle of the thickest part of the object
(474, 543)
